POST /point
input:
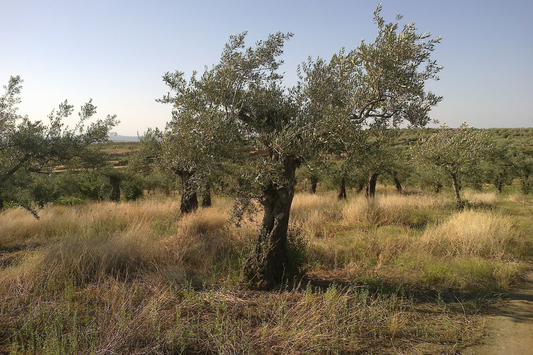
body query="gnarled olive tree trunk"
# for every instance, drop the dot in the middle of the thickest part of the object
(342, 190)
(115, 181)
(314, 182)
(456, 189)
(189, 195)
(269, 265)
(397, 182)
(371, 184)
(206, 195)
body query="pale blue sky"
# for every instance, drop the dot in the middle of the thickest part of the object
(116, 51)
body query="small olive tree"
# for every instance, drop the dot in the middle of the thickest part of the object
(28, 147)
(457, 152)
(522, 162)
(200, 139)
(500, 168)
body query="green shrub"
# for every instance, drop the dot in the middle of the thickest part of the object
(132, 191)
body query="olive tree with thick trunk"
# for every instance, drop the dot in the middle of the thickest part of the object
(239, 108)
(271, 130)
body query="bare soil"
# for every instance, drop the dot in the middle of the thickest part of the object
(509, 330)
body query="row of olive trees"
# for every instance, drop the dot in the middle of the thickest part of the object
(436, 158)
(42, 163)
(238, 119)
(456, 152)
(509, 162)
(466, 154)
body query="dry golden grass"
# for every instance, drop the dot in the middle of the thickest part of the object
(139, 278)
(147, 318)
(487, 199)
(127, 240)
(206, 240)
(360, 249)
(19, 228)
(314, 214)
(472, 233)
(325, 216)
(390, 209)
(418, 240)
(519, 200)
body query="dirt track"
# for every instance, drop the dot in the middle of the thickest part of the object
(510, 330)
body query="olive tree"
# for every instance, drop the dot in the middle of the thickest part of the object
(275, 129)
(500, 169)
(457, 152)
(240, 105)
(378, 155)
(199, 139)
(33, 147)
(522, 162)
(358, 96)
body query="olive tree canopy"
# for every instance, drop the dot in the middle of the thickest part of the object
(364, 92)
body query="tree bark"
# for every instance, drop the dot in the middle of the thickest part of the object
(189, 195)
(525, 184)
(371, 184)
(314, 183)
(115, 188)
(342, 190)
(456, 190)
(270, 265)
(206, 195)
(397, 183)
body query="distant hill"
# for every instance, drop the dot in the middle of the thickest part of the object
(119, 138)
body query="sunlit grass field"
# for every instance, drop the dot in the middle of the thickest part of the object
(398, 274)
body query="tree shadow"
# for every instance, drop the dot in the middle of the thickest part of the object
(477, 298)
(518, 304)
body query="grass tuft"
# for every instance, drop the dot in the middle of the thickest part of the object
(414, 210)
(471, 233)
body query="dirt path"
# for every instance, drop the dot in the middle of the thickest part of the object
(510, 330)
